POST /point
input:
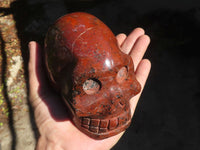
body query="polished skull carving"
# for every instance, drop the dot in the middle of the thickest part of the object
(95, 79)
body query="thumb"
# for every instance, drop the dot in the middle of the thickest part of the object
(36, 72)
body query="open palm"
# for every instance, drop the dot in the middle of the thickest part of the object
(57, 132)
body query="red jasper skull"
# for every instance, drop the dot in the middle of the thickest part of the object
(95, 79)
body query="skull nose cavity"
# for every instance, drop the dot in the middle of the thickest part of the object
(91, 86)
(121, 104)
(122, 74)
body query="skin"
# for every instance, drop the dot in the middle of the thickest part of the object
(56, 130)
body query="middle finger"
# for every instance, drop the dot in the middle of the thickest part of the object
(131, 39)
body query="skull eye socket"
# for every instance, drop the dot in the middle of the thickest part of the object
(122, 74)
(91, 86)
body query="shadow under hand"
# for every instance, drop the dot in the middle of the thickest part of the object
(48, 95)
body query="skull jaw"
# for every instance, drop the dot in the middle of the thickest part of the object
(101, 128)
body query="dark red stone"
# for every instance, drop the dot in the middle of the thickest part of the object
(95, 79)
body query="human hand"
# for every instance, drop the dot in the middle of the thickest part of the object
(57, 132)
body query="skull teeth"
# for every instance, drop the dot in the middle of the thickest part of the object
(104, 125)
